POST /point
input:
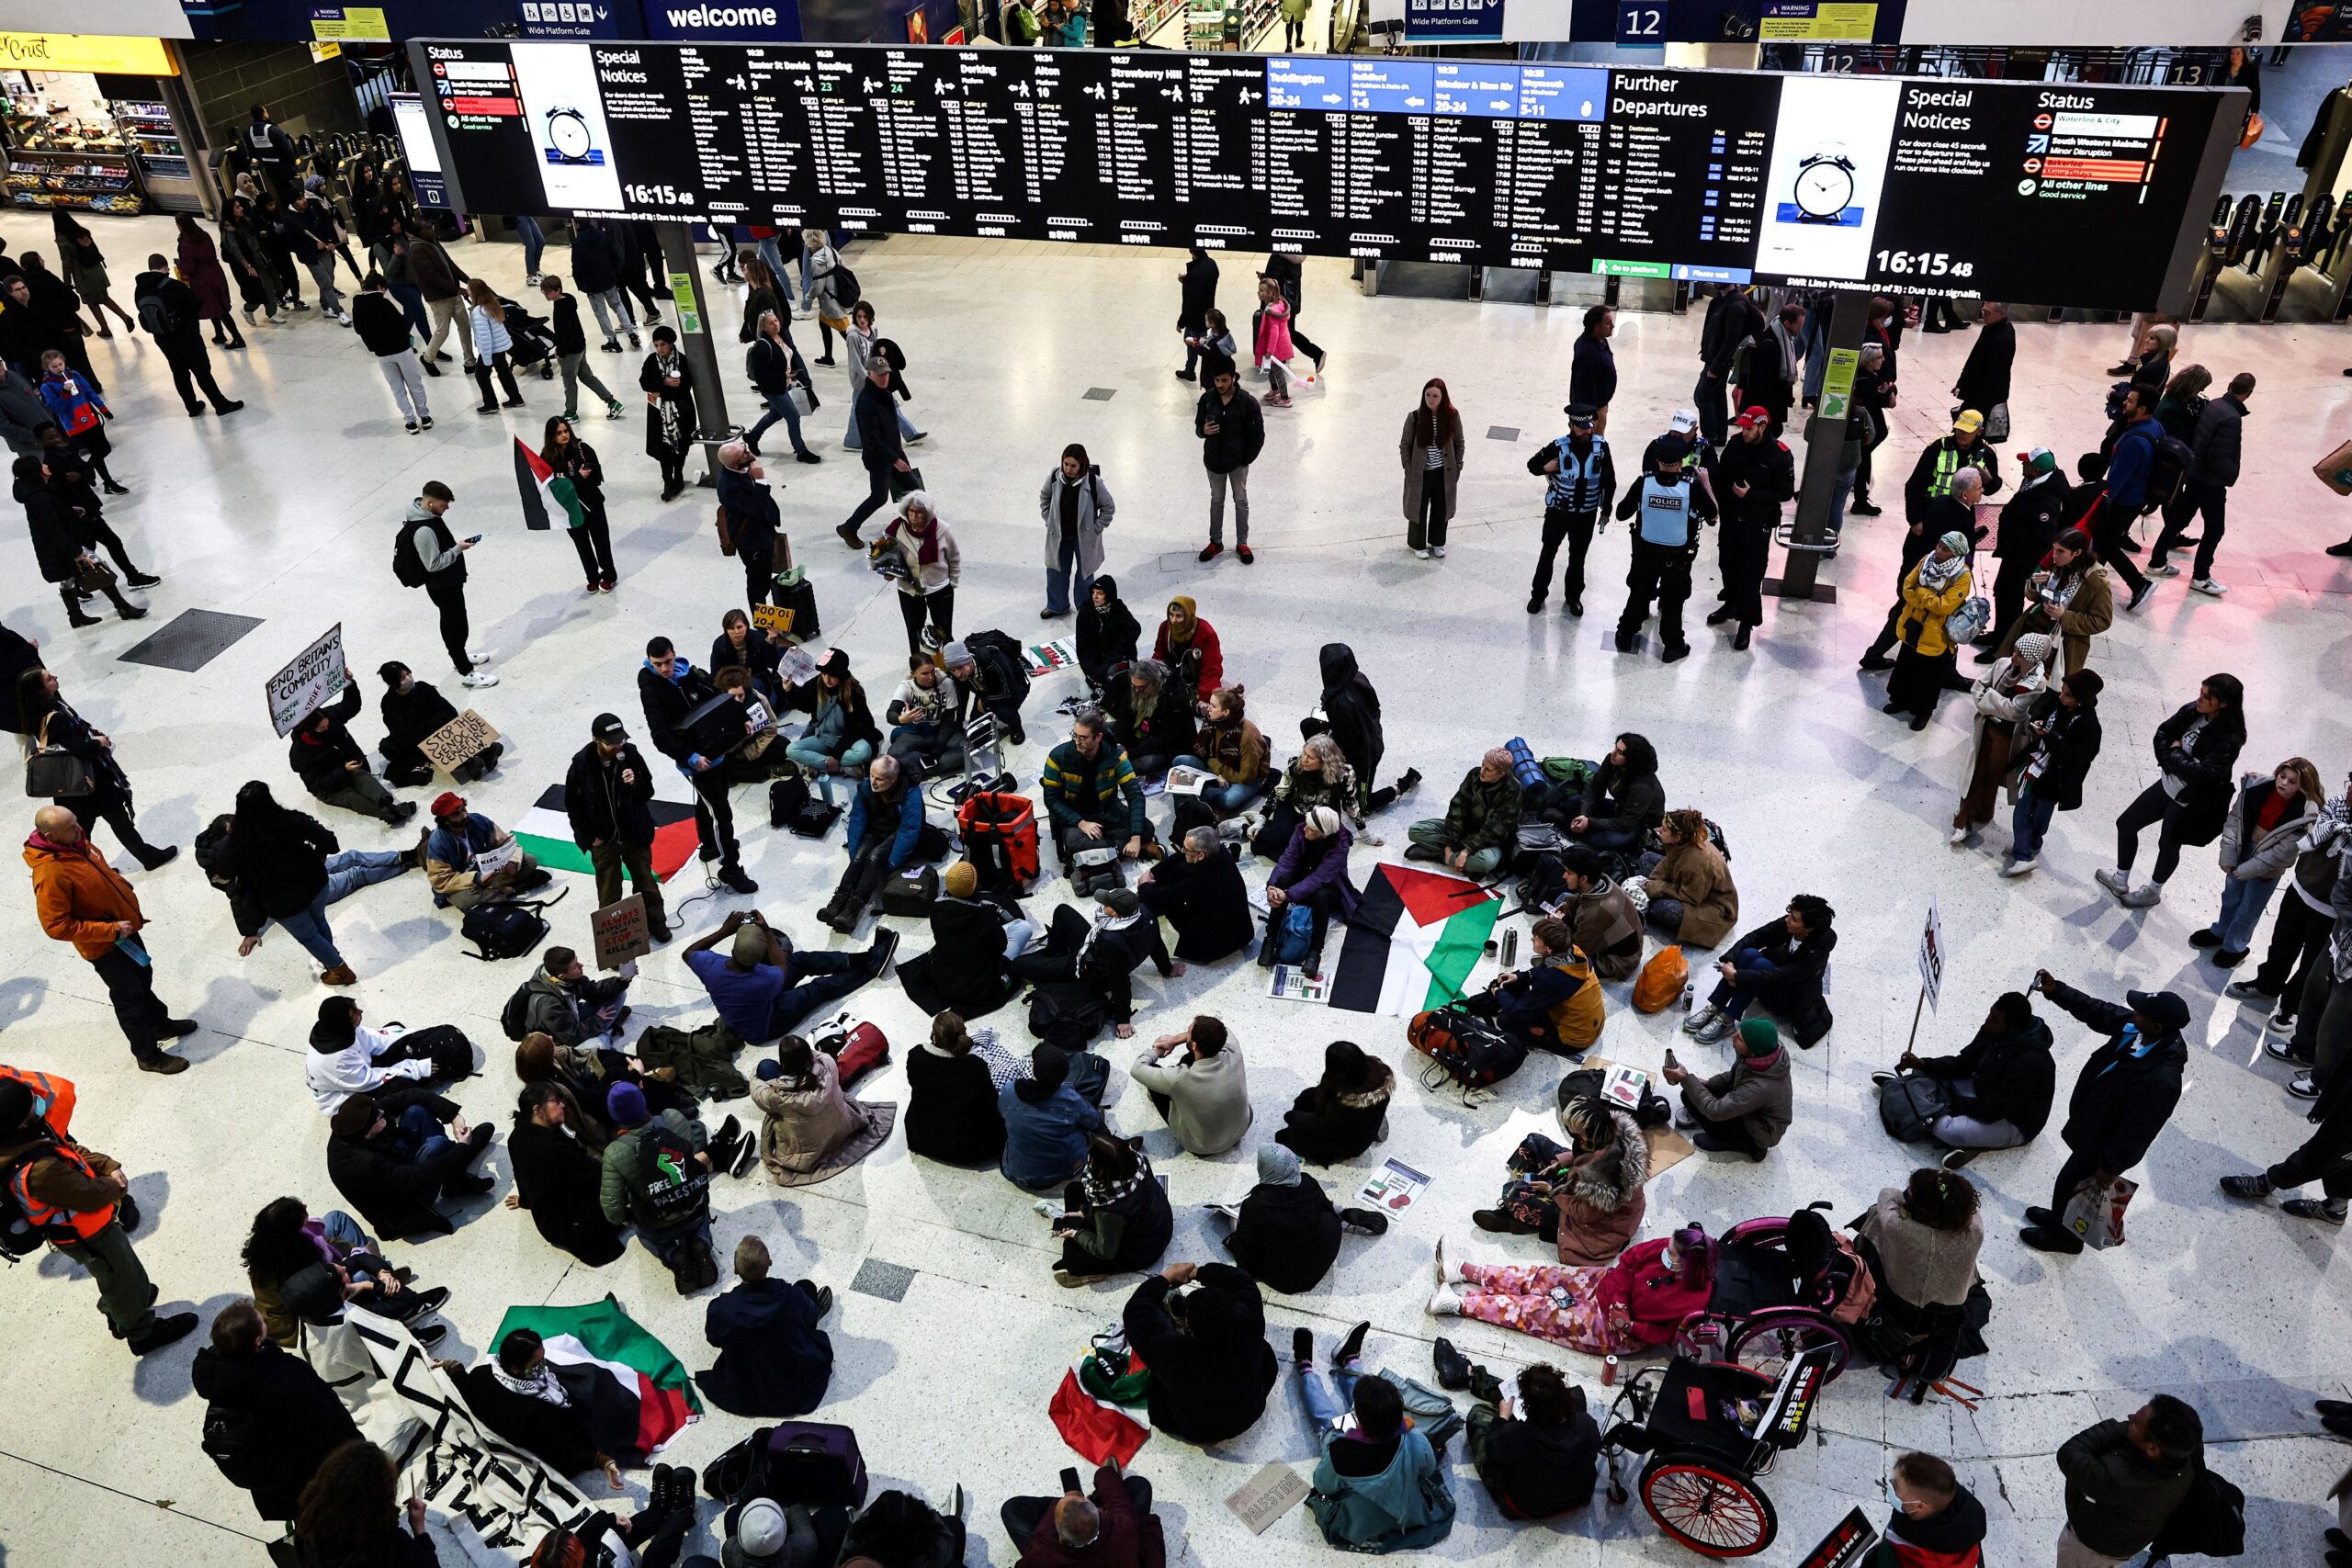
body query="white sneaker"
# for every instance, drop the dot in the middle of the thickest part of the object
(479, 655)
(477, 679)
(1449, 1269)
(1959, 836)
(1443, 1302)
(1438, 550)
(2207, 585)
(2017, 868)
(1422, 554)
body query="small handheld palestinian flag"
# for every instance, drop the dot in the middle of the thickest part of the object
(548, 497)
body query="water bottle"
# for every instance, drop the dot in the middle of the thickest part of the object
(1690, 990)
(1511, 947)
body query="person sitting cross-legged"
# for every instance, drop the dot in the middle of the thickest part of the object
(1115, 1218)
(1747, 1109)
(1554, 1004)
(1311, 875)
(1781, 965)
(1480, 824)
(1199, 892)
(1204, 1093)
(1538, 1453)
(774, 1359)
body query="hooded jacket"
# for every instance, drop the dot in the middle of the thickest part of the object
(282, 875)
(394, 1195)
(2072, 738)
(2015, 1077)
(78, 896)
(1600, 1199)
(322, 760)
(1209, 1377)
(1791, 988)
(1697, 876)
(772, 1359)
(1107, 636)
(215, 856)
(952, 1113)
(965, 970)
(2121, 1100)
(1197, 663)
(1607, 928)
(1287, 1234)
(409, 716)
(1045, 1134)
(1626, 799)
(667, 700)
(1408, 1505)
(1330, 1133)
(338, 1067)
(1755, 1092)
(1483, 814)
(2117, 1497)
(567, 1009)
(269, 1419)
(1352, 710)
(2248, 854)
(428, 533)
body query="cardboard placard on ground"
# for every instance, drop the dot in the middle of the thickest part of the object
(1667, 1147)
(775, 618)
(460, 741)
(303, 686)
(620, 932)
(1267, 1496)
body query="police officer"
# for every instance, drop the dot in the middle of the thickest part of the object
(1666, 509)
(79, 1202)
(1580, 483)
(1756, 475)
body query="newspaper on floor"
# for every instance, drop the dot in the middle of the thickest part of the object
(1187, 781)
(1267, 1496)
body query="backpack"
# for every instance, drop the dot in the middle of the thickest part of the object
(786, 799)
(846, 293)
(19, 1237)
(503, 930)
(674, 1185)
(2167, 467)
(231, 1437)
(514, 1017)
(1067, 1014)
(1297, 925)
(1008, 658)
(1908, 1103)
(1470, 1051)
(156, 317)
(1000, 834)
(405, 564)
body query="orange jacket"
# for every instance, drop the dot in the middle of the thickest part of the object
(80, 897)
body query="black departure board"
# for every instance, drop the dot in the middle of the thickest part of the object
(2023, 191)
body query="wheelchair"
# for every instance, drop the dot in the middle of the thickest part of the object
(1779, 1284)
(1708, 1431)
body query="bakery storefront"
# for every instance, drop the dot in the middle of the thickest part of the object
(93, 124)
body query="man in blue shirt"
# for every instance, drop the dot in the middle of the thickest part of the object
(763, 986)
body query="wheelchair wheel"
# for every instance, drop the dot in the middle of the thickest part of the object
(1764, 1343)
(1707, 1508)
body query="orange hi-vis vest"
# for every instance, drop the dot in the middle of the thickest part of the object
(52, 1096)
(61, 1226)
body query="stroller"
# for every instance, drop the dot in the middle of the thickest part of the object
(533, 339)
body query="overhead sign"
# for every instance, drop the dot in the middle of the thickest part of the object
(316, 674)
(566, 18)
(1714, 175)
(87, 52)
(1453, 21)
(350, 24)
(771, 21)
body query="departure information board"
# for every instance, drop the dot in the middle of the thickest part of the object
(2025, 191)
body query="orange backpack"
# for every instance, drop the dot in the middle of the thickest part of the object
(1661, 980)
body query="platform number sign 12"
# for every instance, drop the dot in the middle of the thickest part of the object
(1642, 22)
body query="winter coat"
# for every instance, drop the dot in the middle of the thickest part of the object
(1922, 1267)
(217, 858)
(1329, 1134)
(269, 1419)
(595, 258)
(1196, 666)
(1125, 1539)
(78, 896)
(2001, 698)
(2030, 522)
(952, 1115)
(1536, 1472)
(1286, 1234)
(1617, 800)
(321, 761)
(560, 1435)
(1306, 866)
(2250, 856)
(1352, 710)
(1644, 1303)
(1196, 295)
(1103, 790)
(1984, 382)
(1553, 1004)
(772, 1359)
(2117, 1497)
(1592, 371)
(491, 335)
(1240, 434)
(392, 1194)
(965, 970)
(56, 544)
(1208, 904)
(623, 1188)
(557, 1179)
(2072, 738)
(1792, 989)
(409, 716)
(1408, 1506)
(1601, 1198)
(382, 326)
(2120, 1102)
(1044, 1140)
(200, 267)
(2013, 1077)
(566, 1010)
(946, 569)
(599, 807)
(1926, 607)
(1760, 1097)
(900, 820)
(2205, 774)
(669, 420)
(1166, 732)
(1209, 1377)
(1270, 340)
(2215, 444)
(2090, 611)
(753, 519)
(286, 875)
(1482, 815)
(1125, 1236)
(1096, 506)
(110, 789)
(1696, 874)
(1106, 637)
(1607, 928)
(812, 1130)
(1208, 1096)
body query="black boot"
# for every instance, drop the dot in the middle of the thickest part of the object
(1454, 1368)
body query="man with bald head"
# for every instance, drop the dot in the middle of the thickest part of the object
(84, 900)
(1113, 1529)
(1480, 824)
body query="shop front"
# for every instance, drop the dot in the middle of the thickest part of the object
(93, 124)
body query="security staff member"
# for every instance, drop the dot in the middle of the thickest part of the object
(1756, 475)
(1666, 509)
(1582, 483)
(608, 795)
(79, 1202)
(670, 688)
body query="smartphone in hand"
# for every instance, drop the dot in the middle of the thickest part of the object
(1069, 1479)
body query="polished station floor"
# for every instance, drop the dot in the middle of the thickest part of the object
(952, 1346)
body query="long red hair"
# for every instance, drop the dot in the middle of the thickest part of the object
(1438, 424)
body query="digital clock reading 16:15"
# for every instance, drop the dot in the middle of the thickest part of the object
(671, 196)
(1924, 263)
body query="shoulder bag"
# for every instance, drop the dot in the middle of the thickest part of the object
(51, 773)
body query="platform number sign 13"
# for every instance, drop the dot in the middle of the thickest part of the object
(1642, 22)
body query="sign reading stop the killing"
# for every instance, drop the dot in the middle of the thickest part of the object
(620, 932)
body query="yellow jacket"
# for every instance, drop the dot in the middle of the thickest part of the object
(1925, 608)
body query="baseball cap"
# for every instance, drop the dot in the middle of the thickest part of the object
(608, 728)
(2038, 461)
(1753, 416)
(1684, 421)
(448, 803)
(2165, 1007)
(1968, 420)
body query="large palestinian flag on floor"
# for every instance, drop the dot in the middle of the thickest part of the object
(544, 832)
(637, 1393)
(1415, 937)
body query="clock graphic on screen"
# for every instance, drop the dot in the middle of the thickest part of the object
(567, 138)
(1825, 186)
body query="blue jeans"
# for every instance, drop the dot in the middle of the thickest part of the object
(780, 408)
(667, 1245)
(535, 242)
(347, 872)
(811, 979)
(1840, 494)
(419, 1135)
(1326, 1402)
(412, 301)
(1062, 573)
(772, 256)
(2242, 906)
(344, 1231)
(1729, 999)
(2029, 823)
(1224, 799)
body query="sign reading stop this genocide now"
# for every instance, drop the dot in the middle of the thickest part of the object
(458, 742)
(316, 673)
(620, 932)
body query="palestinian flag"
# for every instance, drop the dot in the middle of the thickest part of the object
(637, 1394)
(1415, 937)
(548, 497)
(545, 833)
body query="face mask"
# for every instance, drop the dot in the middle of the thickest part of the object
(1894, 1497)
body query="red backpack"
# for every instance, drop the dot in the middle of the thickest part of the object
(1000, 834)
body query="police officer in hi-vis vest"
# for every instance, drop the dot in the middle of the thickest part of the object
(1666, 509)
(1580, 483)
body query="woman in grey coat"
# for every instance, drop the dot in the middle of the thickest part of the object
(1076, 506)
(1431, 450)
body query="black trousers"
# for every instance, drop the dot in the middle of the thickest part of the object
(191, 361)
(2296, 941)
(1661, 572)
(448, 592)
(2009, 596)
(2079, 1169)
(759, 573)
(2196, 496)
(593, 540)
(126, 833)
(504, 363)
(1732, 1133)
(714, 816)
(130, 986)
(869, 865)
(877, 495)
(1427, 526)
(1559, 523)
(1022, 1515)
(2152, 807)
(1056, 956)
(96, 535)
(2109, 524)
(1862, 469)
(938, 608)
(1747, 551)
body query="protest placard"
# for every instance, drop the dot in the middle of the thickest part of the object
(302, 687)
(620, 932)
(460, 741)
(776, 618)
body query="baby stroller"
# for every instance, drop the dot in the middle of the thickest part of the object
(1783, 1288)
(1708, 1430)
(533, 339)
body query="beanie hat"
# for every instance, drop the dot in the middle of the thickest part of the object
(626, 1104)
(354, 1117)
(1324, 821)
(955, 653)
(760, 1528)
(1760, 1035)
(962, 880)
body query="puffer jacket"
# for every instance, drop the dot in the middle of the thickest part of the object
(567, 1009)
(1600, 1199)
(2251, 856)
(1925, 609)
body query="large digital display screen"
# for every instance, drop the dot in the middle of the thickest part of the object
(2023, 191)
